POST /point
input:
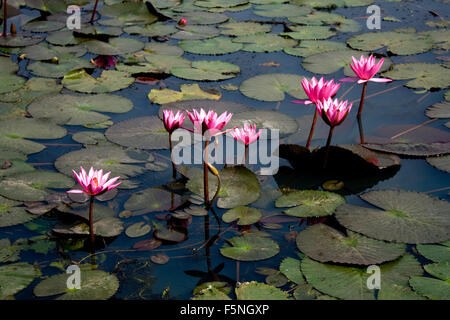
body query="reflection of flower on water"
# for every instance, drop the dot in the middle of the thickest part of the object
(105, 62)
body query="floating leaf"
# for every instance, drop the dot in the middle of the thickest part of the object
(404, 216)
(308, 48)
(325, 244)
(16, 277)
(436, 289)
(152, 200)
(259, 291)
(424, 75)
(283, 10)
(152, 30)
(442, 162)
(250, 247)
(95, 285)
(309, 32)
(109, 81)
(11, 214)
(196, 32)
(218, 45)
(310, 203)
(43, 26)
(20, 40)
(160, 258)
(290, 267)
(264, 42)
(412, 149)
(131, 12)
(273, 86)
(204, 17)
(188, 92)
(163, 49)
(206, 71)
(66, 63)
(435, 252)
(439, 110)
(243, 215)
(10, 82)
(331, 4)
(115, 46)
(219, 3)
(244, 28)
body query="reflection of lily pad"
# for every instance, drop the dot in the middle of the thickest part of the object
(16, 277)
(424, 75)
(243, 215)
(109, 81)
(408, 217)
(250, 247)
(95, 285)
(273, 86)
(259, 291)
(325, 244)
(310, 203)
(152, 200)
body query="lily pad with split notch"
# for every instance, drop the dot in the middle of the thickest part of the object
(12, 213)
(412, 149)
(423, 75)
(214, 46)
(244, 215)
(264, 42)
(152, 200)
(169, 235)
(160, 258)
(259, 291)
(16, 277)
(435, 252)
(250, 247)
(129, 12)
(204, 70)
(163, 49)
(404, 216)
(79, 80)
(196, 32)
(434, 288)
(325, 244)
(244, 28)
(65, 64)
(115, 46)
(441, 163)
(290, 267)
(308, 48)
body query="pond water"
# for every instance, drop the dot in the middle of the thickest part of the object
(390, 109)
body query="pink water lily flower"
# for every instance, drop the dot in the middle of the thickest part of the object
(173, 122)
(333, 112)
(182, 22)
(318, 90)
(94, 183)
(365, 69)
(210, 121)
(246, 135)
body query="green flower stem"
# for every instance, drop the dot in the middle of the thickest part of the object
(311, 132)
(361, 105)
(205, 175)
(174, 168)
(91, 221)
(327, 148)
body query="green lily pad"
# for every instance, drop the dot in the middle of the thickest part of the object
(219, 45)
(219, 3)
(206, 71)
(105, 227)
(109, 81)
(196, 32)
(95, 285)
(396, 42)
(439, 110)
(163, 49)
(244, 28)
(20, 40)
(350, 283)
(310, 203)
(436, 289)
(259, 291)
(332, 61)
(331, 4)
(203, 17)
(142, 132)
(31, 186)
(11, 214)
(273, 86)
(130, 12)
(188, 92)
(210, 291)
(308, 48)
(9, 252)
(290, 267)
(442, 162)
(264, 42)
(171, 235)
(244, 215)
(66, 63)
(439, 37)
(396, 292)
(10, 82)
(250, 247)
(281, 10)
(16, 277)
(435, 252)
(138, 229)
(43, 26)
(152, 30)
(424, 75)
(7, 65)
(305, 291)
(412, 149)
(78, 110)
(152, 200)
(240, 187)
(309, 32)
(61, 38)
(325, 244)
(404, 216)
(115, 46)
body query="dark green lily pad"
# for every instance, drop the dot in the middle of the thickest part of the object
(130, 12)
(439, 110)
(259, 291)
(435, 252)
(244, 215)
(65, 63)
(163, 49)
(196, 32)
(283, 10)
(396, 292)
(436, 289)
(442, 162)
(20, 40)
(412, 149)
(396, 42)
(43, 26)
(243, 28)
(171, 235)
(264, 42)
(10, 82)
(308, 48)
(62, 38)
(203, 17)
(142, 132)
(424, 75)
(105, 227)
(309, 32)
(115, 46)
(240, 187)
(109, 81)
(95, 285)
(152, 200)
(16, 277)
(218, 45)
(310, 203)
(273, 86)
(250, 247)
(350, 283)
(206, 71)
(78, 110)
(290, 267)
(7, 65)
(11, 214)
(407, 217)
(219, 3)
(152, 30)
(325, 244)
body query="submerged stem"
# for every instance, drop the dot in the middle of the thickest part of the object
(327, 148)
(174, 168)
(205, 174)
(311, 132)
(91, 221)
(94, 11)
(361, 105)
(5, 18)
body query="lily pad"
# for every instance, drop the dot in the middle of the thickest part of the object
(20, 40)
(404, 216)
(240, 187)
(290, 267)
(152, 200)
(204, 17)
(350, 283)
(78, 110)
(310, 203)
(7, 65)
(12, 214)
(308, 48)
(16, 277)
(259, 291)
(412, 149)
(325, 244)
(109, 81)
(62, 38)
(196, 32)
(244, 28)
(95, 285)
(188, 92)
(309, 32)
(273, 86)
(43, 26)
(130, 12)
(264, 42)
(442, 163)
(65, 63)
(115, 46)
(396, 42)
(152, 30)
(435, 252)
(250, 247)
(105, 227)
(10, 82)
(424, 75)
(206, 71)
(331, 4)
(219, 3)
(436, 289)
(163, 49)
(281, 10)
(218, 45)
(439, 110)
(244, 215)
